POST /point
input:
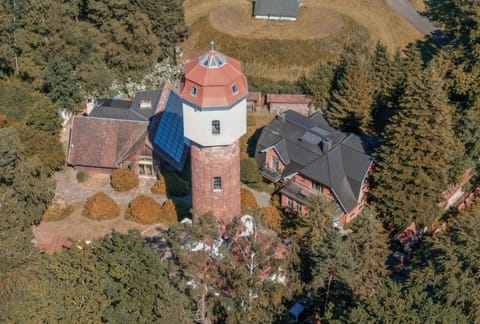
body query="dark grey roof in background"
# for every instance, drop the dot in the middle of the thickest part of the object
(342, 168)
(126, 109)
(276, 8)
(141, 100)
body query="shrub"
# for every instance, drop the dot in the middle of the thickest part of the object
(272, 218)
(249, 202)
(172, 184)
(124, 180)
(249, 171)
(168, 214)
(160, 186)
(143, 210)
(56, 213)
(82, 176)
(100, 206)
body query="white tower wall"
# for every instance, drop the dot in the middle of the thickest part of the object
(197, 124)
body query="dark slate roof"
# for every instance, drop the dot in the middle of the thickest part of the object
(141, 108)
(167, 132)
(145, 103)
(104, 143)
(276, 8)
(319, 152)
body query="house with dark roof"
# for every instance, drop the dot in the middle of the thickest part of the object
(276, 9)
(136, 134)
(307, 157)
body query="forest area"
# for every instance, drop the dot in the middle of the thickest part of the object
(419, 107)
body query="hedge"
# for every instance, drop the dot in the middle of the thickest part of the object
(100, 206)
(143, 210)
(124, 180)
(168, 214)
(172, 184)
(272, 218)
(248, 201)
(56, 213)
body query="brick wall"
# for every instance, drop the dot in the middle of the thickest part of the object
(210, 162)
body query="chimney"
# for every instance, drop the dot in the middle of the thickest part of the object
(326, 144)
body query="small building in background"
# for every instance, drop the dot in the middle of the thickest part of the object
(279, 103)
(276, 9)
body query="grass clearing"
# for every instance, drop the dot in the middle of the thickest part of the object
(286, 50)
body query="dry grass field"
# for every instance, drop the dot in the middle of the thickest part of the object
(285, 50)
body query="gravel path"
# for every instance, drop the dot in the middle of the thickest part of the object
(263, 198)
(405, 9)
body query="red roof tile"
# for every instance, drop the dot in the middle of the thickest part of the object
(104, 143)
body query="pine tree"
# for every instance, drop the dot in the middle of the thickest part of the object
(318, 84)
(370, 251)
(351, 100)
(414, 162)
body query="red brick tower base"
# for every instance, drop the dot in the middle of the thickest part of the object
(208, 163)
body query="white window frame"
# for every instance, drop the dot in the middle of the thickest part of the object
(217, 183)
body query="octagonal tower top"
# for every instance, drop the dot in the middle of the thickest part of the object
(214, 80)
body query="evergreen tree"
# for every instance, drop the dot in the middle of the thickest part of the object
(351, 100)
(414, 162)
(370, 252)
(318, 84)
(116, 279)
(448, 264)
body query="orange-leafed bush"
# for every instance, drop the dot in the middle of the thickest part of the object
(160, 186)
(100, 206)
(248, 202)
(272, 218)
(124, 180)
(143, 210)
(168, 214)
(56, 213)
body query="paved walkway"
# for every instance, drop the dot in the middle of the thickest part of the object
(406, 10)
(52, 236)
(263, 198)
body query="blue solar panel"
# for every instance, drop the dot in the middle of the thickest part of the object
(169, 136)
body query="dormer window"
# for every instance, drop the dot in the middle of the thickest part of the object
(194, 91)
(235, 88)
(215, 127)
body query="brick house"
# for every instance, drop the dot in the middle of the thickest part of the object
(306, 157)
(279, 103)
(130, 134)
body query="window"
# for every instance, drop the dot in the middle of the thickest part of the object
(215, 127)
(235, 88)
(299, 207)
(275, 163)
(289, 203)
(145, 169)
(217, 183)
(194, 91)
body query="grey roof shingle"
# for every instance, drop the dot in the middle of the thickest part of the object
(276, 8)
(342, 168)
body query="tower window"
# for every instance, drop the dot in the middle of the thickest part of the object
(217, 183)
(215, 127)
(235, 88)
(194, 91)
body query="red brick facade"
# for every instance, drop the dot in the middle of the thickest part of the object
(208, 163)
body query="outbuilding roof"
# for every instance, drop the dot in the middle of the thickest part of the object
(276, 8)
(309, 146)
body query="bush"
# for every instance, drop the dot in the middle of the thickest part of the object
(56, 213)
(82, 176)
(249, 172)
(124, 180)
(160, 187)
(172, 184)
(168, 214)
(249, 202)
(143, 210)
(272, 218)
(100, 206)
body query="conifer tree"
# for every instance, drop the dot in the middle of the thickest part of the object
(351, 100)
(414, 162)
